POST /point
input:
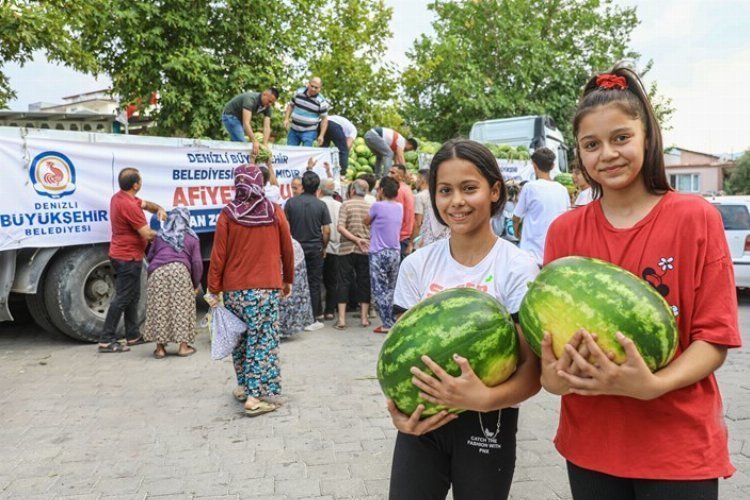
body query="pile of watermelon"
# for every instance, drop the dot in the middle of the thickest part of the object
(507, 152)
(461, 321)
(577, 292)
(361, 160)
(566, 180)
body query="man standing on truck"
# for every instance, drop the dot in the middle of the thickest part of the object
(307, 112)
(541, 201)
(388, 146)
(130, 235)
(240, 110)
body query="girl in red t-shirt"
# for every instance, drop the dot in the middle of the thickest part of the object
(625, 432)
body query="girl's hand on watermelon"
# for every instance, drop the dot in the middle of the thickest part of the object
(551, 366)
(466, 391)
(601, 376)
(413, 424)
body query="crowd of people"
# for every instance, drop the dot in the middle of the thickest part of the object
(325, 252)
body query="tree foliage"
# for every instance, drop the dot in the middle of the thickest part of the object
(348, 56)
(502, 58)
(50, 26)
(738, 181)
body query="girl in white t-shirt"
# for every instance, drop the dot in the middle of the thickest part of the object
(473, 452)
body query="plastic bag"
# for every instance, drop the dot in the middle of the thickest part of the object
(227, 329)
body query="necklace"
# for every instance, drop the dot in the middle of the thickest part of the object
(486, 430)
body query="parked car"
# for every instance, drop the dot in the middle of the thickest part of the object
(735, 211)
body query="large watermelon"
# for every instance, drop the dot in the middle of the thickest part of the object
(461, 321)
(577, 292)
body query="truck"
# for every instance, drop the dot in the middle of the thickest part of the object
(54, 211)
(532, 132)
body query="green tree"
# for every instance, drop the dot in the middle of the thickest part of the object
(349, 57)
(50, 26)
(502, 58)
(738, 181)
(197, 54)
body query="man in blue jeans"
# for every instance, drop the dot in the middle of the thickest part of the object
(307, 113)
(239, 111)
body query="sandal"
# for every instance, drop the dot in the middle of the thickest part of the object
(113, 347)
(189, 352)
(329, 317)
(260, 408)
(160, 354)
(380, 329)
(136, 341)
(339, 327)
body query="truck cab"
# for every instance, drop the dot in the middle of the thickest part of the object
(533, 132)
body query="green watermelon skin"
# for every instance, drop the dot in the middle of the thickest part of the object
(461, 321)
(578, 292)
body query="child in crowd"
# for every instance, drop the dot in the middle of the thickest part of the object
(385, 219)
(628, 433)
(584, 189)
(437, 453)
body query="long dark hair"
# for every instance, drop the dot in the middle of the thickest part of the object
(634, 102)
(474, 153)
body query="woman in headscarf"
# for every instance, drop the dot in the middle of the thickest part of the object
(252, 264)
(175, 268)
(296, 310)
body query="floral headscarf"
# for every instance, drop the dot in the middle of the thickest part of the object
(175, 228)
(250, 206)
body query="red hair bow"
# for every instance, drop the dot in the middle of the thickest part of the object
(608, 81)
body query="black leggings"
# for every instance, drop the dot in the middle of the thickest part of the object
(587, 484)
(459, 455)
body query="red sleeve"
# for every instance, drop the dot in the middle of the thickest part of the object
(552, 245)
(132, 213)
(287, 250)
(715, 317)
(218, 255)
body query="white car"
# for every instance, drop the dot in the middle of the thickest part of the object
(735, 211)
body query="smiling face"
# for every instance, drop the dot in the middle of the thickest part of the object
(464, 197)
(611, 147)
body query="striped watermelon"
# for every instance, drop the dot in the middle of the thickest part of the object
(577, 292)
(461, 321)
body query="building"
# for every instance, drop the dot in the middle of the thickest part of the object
(95, 111)
(694, 172)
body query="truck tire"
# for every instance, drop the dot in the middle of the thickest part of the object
(38, 310)
(78, 289)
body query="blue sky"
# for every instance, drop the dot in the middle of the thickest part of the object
(700, 48)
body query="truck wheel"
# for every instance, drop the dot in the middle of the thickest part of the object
(38, 310)
(79, 286)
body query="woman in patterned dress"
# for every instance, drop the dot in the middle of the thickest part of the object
(296, 310)
(252, 264)
(175, 268)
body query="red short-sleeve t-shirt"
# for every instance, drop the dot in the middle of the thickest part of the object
(126, 218)
(680, 249)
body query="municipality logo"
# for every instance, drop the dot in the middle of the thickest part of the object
(53, 174)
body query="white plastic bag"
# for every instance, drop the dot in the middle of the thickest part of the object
(226, 329)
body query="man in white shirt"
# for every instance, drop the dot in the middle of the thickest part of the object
(341, 132)
(332, 265)
(540, 202)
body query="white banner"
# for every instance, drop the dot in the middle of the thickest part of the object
(57, 192)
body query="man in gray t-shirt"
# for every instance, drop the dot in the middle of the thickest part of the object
(239, 111)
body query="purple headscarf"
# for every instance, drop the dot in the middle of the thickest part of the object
(250, 206)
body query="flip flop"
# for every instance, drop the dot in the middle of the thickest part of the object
(340, 327)
(137, 341)
(381, 330)
(260, 408)
(113, 347)
(186, 354)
